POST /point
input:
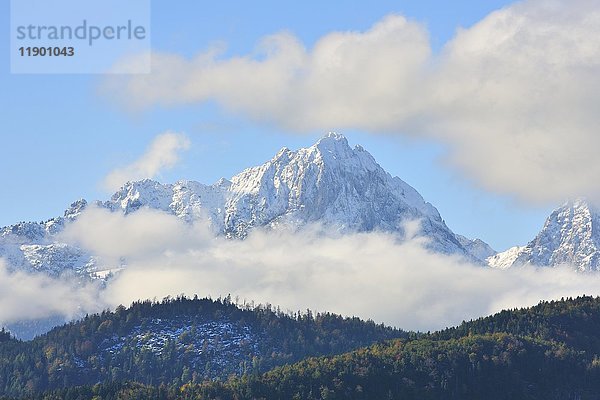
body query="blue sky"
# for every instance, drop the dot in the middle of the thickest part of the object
(61, 137)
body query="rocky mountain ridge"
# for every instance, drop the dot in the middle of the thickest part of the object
(570, 236)
(330, 183)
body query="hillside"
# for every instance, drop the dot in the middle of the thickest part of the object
(550, 351)
(174, 342)
(545, 352)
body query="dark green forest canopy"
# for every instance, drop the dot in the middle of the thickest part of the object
(177, 341)
(550, 351)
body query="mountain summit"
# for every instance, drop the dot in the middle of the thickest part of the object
(571, 235)
(330, 183)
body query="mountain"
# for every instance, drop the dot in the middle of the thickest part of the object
(571, 235)
(476, 247)
(546, 352)
(34, 247)
(505, 259)
(331, 184)
(176, 340)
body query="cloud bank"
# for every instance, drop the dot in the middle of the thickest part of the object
(371, 275)
(26, 296)
(163, 153)
(513, 97)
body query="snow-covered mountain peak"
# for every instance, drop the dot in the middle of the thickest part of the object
(329, 183)
(579, 210)
(581, 207)
(334, 185)
(137, 194)
(574, 223)
(331, 154)
(283, 153)
(571, 235)
(331, 141)
(75, 209)
(334, 146)
(223, 183)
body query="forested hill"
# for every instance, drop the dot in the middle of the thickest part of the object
(574, 322)
(174, 342)
(545, 352)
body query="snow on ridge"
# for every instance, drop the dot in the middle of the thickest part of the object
(505, 259)
(571, 236)
(329, 183)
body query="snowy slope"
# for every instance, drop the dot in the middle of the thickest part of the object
(505, 259)
(571, 235)
(476, 247)
(329, 183)
(32, 246)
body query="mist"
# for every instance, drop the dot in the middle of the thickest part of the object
(37, 297)
(378, 276)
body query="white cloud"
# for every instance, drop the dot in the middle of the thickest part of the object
(340, 82)
(26, 296)
(371, 275)
(146, 233)
(162, 153)
(514, 97)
